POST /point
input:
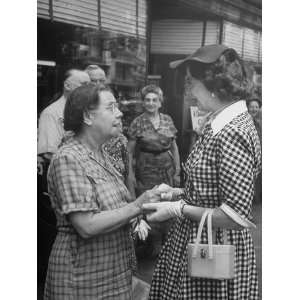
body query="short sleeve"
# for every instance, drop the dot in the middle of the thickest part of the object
(72, 189)
(171, 125)
(49, 136)
(134, 129)
(236, 174)
(167, 127)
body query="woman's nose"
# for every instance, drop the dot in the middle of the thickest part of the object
(119, 113)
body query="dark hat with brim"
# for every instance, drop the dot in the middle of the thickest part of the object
(207, 54)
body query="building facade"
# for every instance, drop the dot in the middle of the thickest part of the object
(76, 33)
(134, 41)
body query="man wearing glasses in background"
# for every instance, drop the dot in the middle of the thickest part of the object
(51, 129)
(96, 74)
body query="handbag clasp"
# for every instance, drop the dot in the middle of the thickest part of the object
(202, 253)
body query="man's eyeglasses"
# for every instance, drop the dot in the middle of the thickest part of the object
(97, 81)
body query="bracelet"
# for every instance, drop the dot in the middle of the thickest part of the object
(182, 204)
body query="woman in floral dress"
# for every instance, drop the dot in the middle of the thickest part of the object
(116, 148)
(221, 171)
(152, 141)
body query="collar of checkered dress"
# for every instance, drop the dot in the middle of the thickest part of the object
(226, 115)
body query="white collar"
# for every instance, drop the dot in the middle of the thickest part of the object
(227, 115)
(62, 98)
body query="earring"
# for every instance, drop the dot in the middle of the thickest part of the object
(87, 122)
(213, 95)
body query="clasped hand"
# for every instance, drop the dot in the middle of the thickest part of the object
(162, 211)
(152, 195)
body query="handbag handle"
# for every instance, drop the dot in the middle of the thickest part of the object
(207, 214)
(209, 234)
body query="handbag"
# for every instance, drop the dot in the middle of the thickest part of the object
(210, 260)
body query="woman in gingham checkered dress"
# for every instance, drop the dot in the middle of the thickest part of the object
(220, 170)
(92, 255)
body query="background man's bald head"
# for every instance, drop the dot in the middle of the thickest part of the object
(75, 78)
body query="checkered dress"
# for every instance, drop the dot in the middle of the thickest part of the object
(220, 169)
(95, 268)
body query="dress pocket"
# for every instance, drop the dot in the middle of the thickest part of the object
(97, 182)
(96, 178)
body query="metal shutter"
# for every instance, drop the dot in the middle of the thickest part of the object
(43, 9)
(212, 33)
(251, 45)
(78, 12)
(260, 48)
(119, 16)
(142, 18)
(246, 41)
(176, 36)
(233, 37)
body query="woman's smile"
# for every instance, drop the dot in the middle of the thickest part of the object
(152, 103)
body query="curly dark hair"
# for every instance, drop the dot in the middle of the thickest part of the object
(152, 88)
(226, 77)
(82, 99)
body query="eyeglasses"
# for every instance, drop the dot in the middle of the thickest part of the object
(98, 81)
(113, 107)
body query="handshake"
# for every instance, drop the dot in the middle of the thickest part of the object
(168, 193)
(157, 210)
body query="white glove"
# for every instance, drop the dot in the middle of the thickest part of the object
(142, 228)
(162, 211)
(164, 188)
(168, 192)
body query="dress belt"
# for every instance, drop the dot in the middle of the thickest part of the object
(156, 152)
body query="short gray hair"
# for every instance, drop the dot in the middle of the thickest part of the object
(90, 68)
(152, 88)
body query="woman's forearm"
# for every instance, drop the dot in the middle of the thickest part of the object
(89, 224)
(130, 180)
(131, 149)
(175, 153)
(130, 163)
(219, 218)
